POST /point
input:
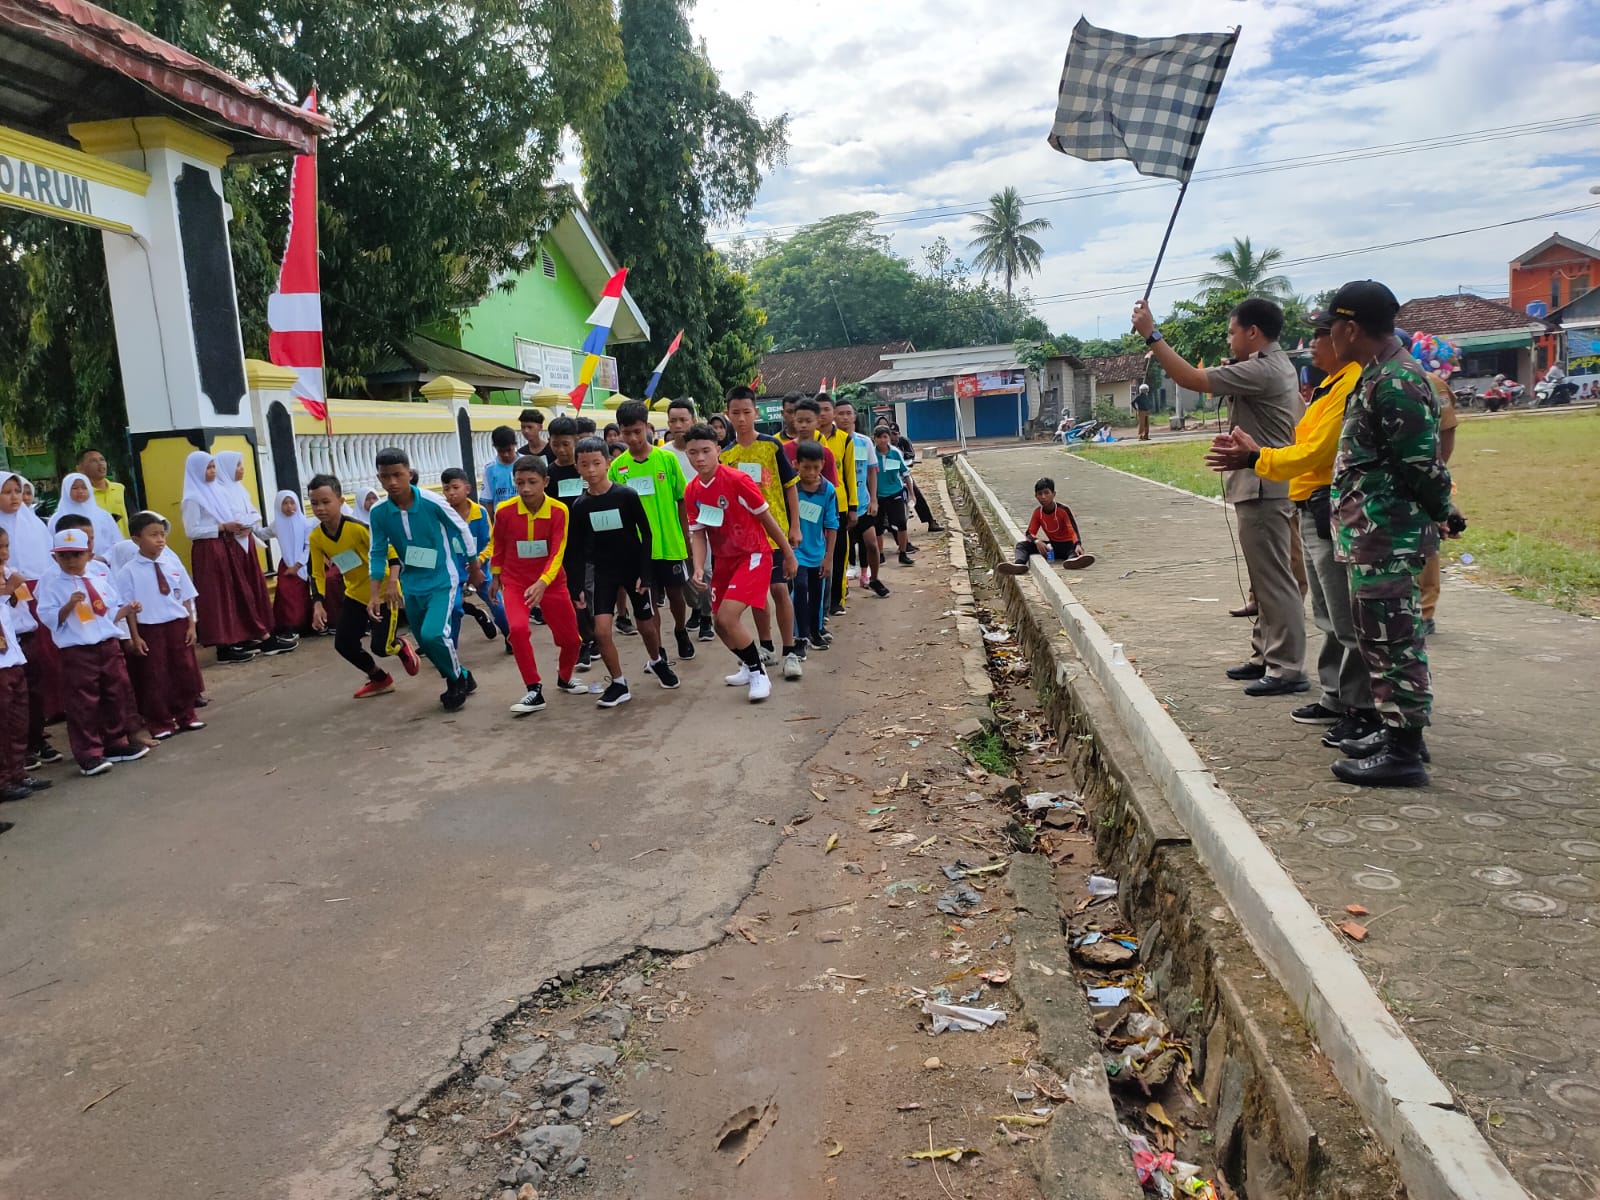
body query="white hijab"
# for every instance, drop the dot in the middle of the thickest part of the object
(30, 539)
(206, 495)
(293, 532)
(364, 502)
(120, 555)
(106, 533)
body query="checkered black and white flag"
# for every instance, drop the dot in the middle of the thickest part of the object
(1144, 99)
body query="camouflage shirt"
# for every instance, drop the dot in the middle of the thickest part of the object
(1389, 488)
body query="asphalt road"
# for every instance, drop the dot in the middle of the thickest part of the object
(267, 932)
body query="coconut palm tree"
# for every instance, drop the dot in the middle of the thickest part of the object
(1242, 269)
(1004, 243)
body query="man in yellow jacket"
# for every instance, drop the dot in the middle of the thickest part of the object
(1346, 703)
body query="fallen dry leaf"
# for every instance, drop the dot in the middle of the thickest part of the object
(1158, 1114)
(953, 1153)
(623, 1118)
(1353, 930)
(835, 1147)
(1025, 1119)
(831, 844)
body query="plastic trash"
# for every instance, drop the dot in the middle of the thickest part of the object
(1100, 885)
(1118, 658)
(1108, 997)
(959, 1017)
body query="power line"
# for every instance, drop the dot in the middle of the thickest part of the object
(1264, 167)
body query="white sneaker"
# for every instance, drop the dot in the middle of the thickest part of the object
(760, 686)
(739, 678)
(769, 658)
(852, 572)
(791, 666)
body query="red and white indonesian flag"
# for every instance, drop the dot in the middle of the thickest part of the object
(294, 311)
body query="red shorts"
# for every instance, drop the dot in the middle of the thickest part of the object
(745, 578)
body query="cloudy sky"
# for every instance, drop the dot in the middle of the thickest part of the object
(903, 105)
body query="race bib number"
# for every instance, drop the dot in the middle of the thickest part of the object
(710, 515)
(346, 561)
(606, 519)
(810, 510)
(535, 549)
(423, 558)
(568, 488)
(751, 469)
(643, 484)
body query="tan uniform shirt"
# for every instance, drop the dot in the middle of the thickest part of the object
(1264, 401)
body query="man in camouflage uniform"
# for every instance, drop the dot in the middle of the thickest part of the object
(1390, 492)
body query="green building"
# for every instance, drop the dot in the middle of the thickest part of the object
(536, 320)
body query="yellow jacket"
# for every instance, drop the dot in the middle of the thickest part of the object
(844, 462)
(1308, 463)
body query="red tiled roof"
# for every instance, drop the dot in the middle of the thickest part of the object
(802, 370)
(91, 33)
(1119, 368)
(1466, 313)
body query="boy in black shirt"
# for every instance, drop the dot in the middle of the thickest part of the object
(612, 535)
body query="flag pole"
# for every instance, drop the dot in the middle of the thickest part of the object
(1182, 192)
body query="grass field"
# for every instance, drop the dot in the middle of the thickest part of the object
(1529, 486)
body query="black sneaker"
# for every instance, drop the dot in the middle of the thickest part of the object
(1315, 714)
(823, 641)
(536, 615)
(685, 644)
(906, 560)
(1249, 670)
(15, 791)
(586, 656)
(572, 687)
(878, 589)
(34, 784)
(96, 766)
(708, 632)
(935, 527)
(693, 623)
(126, 752)
(837, 610)
(531, 703)
(472, 681)
(1397, 764)
(662, 670)
(49, 756)
(455, 695)
(279, 644)
(234, 654)
(484, 620)
(1353, 726)
(616, 693)
(913, 548)
(624, 625)
(32, 763)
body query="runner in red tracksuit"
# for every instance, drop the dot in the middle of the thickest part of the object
(529, 540)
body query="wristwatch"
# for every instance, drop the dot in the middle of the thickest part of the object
(1155, 336)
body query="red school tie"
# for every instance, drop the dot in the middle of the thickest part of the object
(161, 580)
(95, 602)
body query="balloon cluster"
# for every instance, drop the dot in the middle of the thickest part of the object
(1437, 355)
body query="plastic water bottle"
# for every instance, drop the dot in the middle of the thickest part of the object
(1050, 553)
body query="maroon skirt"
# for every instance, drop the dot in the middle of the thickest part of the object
(332, 595)
(48, 657)
(166, 681)
(233, 605)
(291, 607)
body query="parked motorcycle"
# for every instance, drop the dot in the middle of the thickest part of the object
(1466, 397)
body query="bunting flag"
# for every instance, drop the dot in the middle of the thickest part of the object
(655, 378)
(294, 310)
(599, 333)
(755, 384)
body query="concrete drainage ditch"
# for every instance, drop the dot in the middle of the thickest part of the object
(1280, 1126)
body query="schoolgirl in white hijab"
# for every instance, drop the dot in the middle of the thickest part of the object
(365, 499)
(77, 496)
(30, 539)
(293, 531)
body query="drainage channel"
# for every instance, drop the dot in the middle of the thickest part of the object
(1215, 1075)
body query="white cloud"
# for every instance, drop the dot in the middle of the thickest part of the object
(905, 104)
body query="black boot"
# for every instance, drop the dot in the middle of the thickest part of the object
(1375, 742)
(1397, 764)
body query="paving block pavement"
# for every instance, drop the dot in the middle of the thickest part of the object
(1483, 888)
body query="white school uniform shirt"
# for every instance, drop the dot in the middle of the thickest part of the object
(136, 582)
(11, 656)
(21, 615)
(56, 588)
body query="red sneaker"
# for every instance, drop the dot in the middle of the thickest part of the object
(377, 687)
(408, 658)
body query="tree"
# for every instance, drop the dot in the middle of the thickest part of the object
(666, 156)
(448, 125)
(737, 330)
(1198, 328)
(1005, 244)
(1241, 269)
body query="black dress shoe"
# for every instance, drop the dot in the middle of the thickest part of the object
(1246, 671)
(1276, 685)
(1397, 764)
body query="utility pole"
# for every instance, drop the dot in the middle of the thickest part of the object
(840, 311)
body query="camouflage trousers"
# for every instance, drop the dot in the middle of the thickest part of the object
(1384, 598)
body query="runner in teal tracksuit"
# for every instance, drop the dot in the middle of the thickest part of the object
(429, 538)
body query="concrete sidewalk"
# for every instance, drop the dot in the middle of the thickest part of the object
(1484, 888)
